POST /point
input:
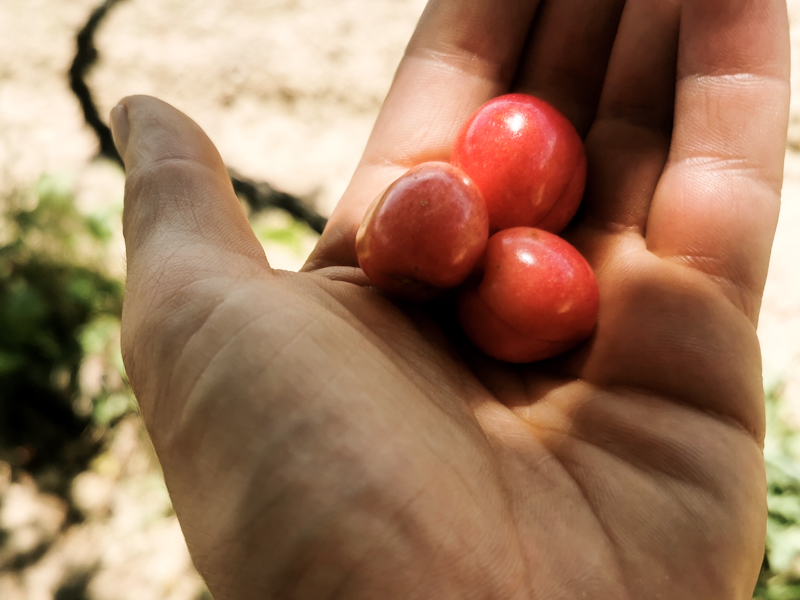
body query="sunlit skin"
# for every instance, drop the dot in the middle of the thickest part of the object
(319, 442)
(537, 298)
(527, 160)
(424, 234)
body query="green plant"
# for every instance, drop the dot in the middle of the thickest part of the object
(53, 285)
(780, 573)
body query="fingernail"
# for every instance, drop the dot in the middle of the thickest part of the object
(120, 128)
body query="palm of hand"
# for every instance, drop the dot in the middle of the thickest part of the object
(398, 470)
(321, 442)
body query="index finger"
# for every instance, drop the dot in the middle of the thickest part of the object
(462, 53)
(716, 205)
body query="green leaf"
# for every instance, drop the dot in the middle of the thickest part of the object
(112, 407)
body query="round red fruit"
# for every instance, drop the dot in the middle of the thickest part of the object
(425, 233)
(527, 160)
(538, 297)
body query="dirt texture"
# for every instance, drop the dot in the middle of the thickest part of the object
(288, 90)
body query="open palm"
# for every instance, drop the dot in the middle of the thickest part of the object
(320, 442)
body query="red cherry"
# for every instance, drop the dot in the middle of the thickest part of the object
(527, 160)
(424, 233)
(538, 297)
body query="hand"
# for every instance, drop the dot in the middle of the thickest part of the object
(319, 442)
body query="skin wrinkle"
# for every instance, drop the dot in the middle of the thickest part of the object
(655, 389)
(316, 528)
(427, 355)
(747, 285)
(438, 149)
(141, 176)
(666, 325)
(127, 348)
(709, 165)
(326, 384)
(404, 508)
(736, 78)
(637, 465)
(457, 61)
(167, 203)
(286, 446)
(613, 228)
(431, 448)
(161, 271)
(166, 301)
(743, 296)
(454, 470)
(628, 245)
(713, 90)
(394, 356)
(261, 507)
(548, 457)
(173, 156)
(376, 338)
(188, 218)
(341, 587)
(341, 274)
(733, 86)
(507, 488)
(611, 539)
(738, 199)
(423, 355)
(321, 388)
(629, 211)
(668, 489)
(643, 467)
(218, 350)
(166, 305)
(626, 394)
(746, 72)
(199, 331)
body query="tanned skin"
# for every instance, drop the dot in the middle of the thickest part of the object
(320, 442)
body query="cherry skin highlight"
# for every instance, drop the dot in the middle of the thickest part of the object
(425, 233)
(527, 160)
(538, 297)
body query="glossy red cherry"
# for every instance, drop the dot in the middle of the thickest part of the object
(527, 160)
(538, 297)
(424, 233)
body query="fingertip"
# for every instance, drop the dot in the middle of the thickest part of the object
(177, 188)
(120, 128)
(147, 130)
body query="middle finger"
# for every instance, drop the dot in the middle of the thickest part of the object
(567, 56)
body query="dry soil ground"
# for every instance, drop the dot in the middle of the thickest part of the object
(288, 90)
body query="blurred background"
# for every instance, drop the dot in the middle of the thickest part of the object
(288, 90)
